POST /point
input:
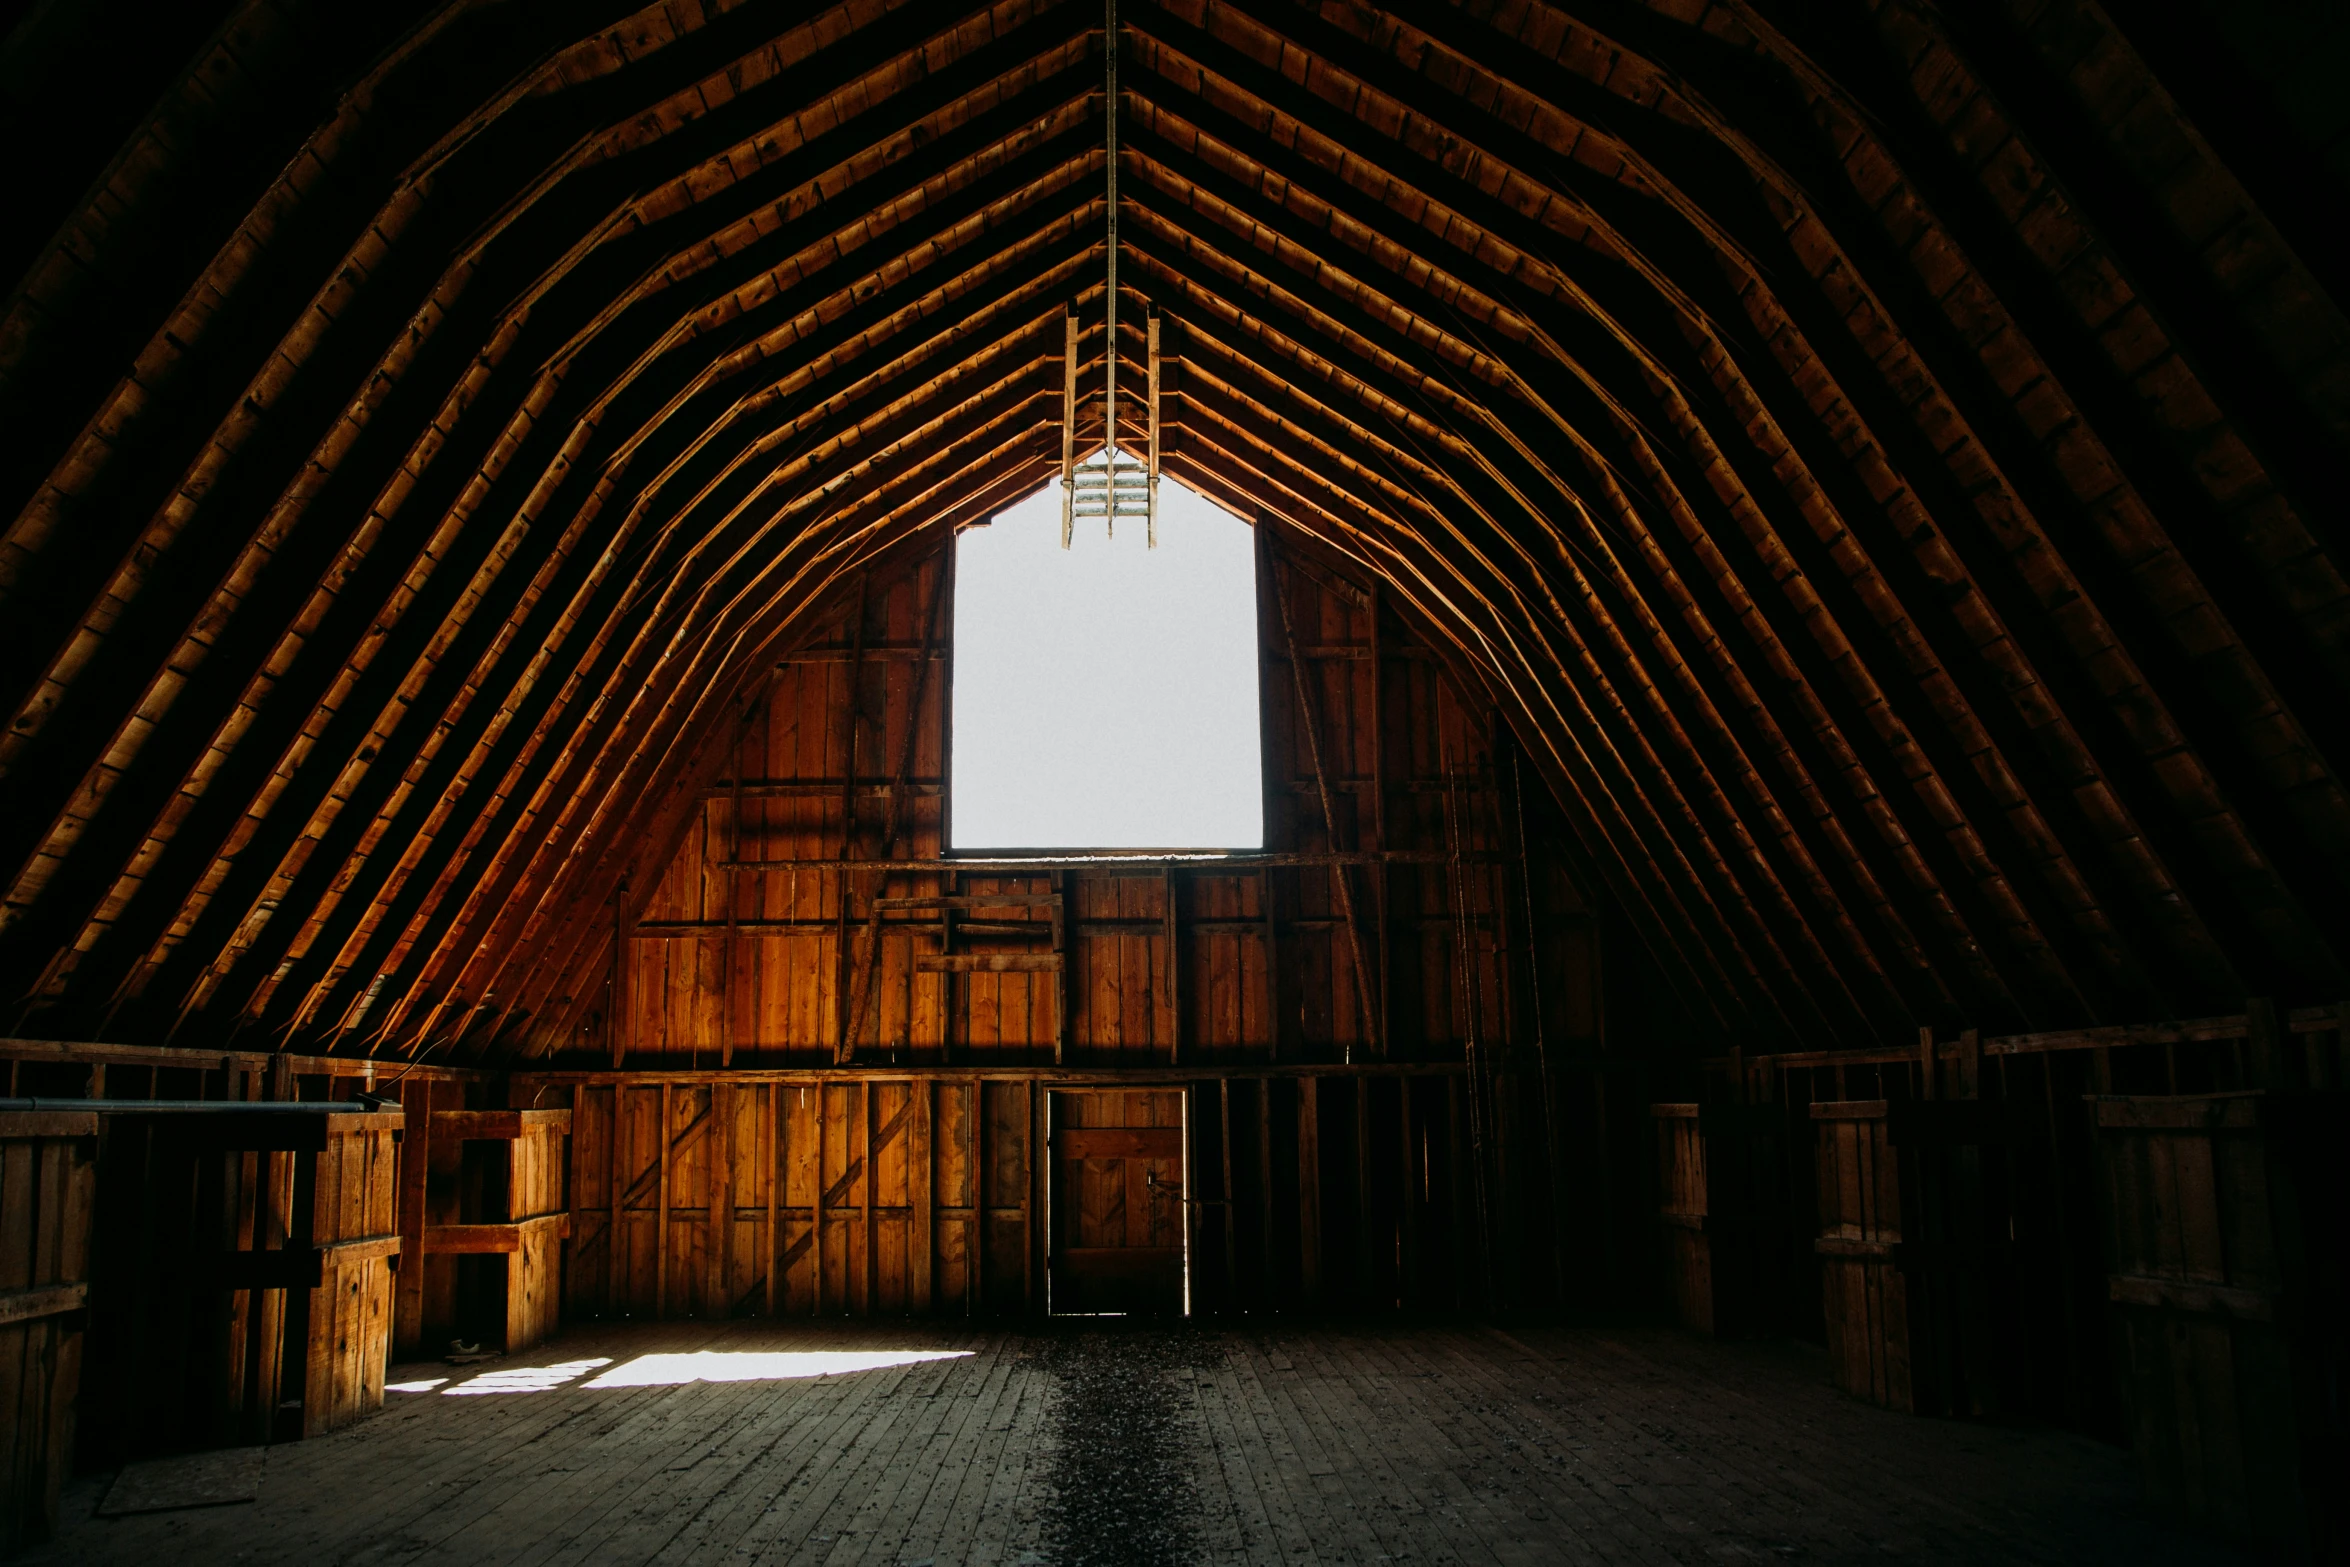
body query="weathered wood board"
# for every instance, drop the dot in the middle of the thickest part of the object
(47, 1187)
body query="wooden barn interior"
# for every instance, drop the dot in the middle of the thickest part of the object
(1790, 1004)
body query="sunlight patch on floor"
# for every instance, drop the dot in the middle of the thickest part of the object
(528, 1379)
(751, 1365)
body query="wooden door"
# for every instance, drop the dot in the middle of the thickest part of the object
(1117, 1169)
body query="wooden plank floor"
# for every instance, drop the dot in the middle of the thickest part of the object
(1428, 1444)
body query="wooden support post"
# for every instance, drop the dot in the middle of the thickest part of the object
(734, 854)
(1272, 964)
(1407, 1280)
(1531, 939)
(1479, 1122)
(1462, 1180)
(1270, 1293)
(615, 1256)
(816, 1213)
(1231, 1202)
(574, 1189)
(976, 1285)
(718, 1243)
(1611, 1241)
(1274, 786)
(1344, 883)
(623, 974)
(1033, 1214)
(661, 1219)
(1193, 1131)
(1064, 987)
(1366, 1270)
(1172, 942)
(1928, 1073)
(415, 1150)
(868, 993)
(922, 1176)
(775, 1168)
(872, 1252)
(848, 829)
(1309, 1189)
(1381, 885)
(950, 884)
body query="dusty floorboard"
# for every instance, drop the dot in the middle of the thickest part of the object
(1329, 1444)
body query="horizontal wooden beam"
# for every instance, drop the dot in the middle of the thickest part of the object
(1119, 1142)
(909, 651)
(816, 789)
(679, 930)
(47, 1123)
(483, 1239)
(495, 1125)
(1044, 864)
(987, 962)
(1346, 650)
(929, 789)
(1049, 1076)
(2200, 1030)
(49, 1300)
(96, 1052)
(976, 900)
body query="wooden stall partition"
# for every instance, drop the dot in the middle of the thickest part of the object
(47, 1191)
(342, 1330)
(2227, 1239)
(514, 1215)
(242, 1283)
(1721, 1212)
(1910, 1272)
(535, 1200)
(1865, 1297)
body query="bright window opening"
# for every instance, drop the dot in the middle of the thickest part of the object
(1106, 694)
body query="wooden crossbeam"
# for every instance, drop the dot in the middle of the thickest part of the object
(49, 1301)
(480, 1239)
(496, 1125)
(988, 962)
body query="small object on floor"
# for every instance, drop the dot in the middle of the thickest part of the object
(163, 1485)
(464, 1354)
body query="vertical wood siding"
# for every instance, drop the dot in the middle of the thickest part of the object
(767, 966)
(873, 1194)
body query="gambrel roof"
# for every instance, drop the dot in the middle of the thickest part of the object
(1879, 457)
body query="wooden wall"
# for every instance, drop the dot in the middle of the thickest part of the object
(756, 947)
(47, 1181)
(2039, 1173)
(870, 1192)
